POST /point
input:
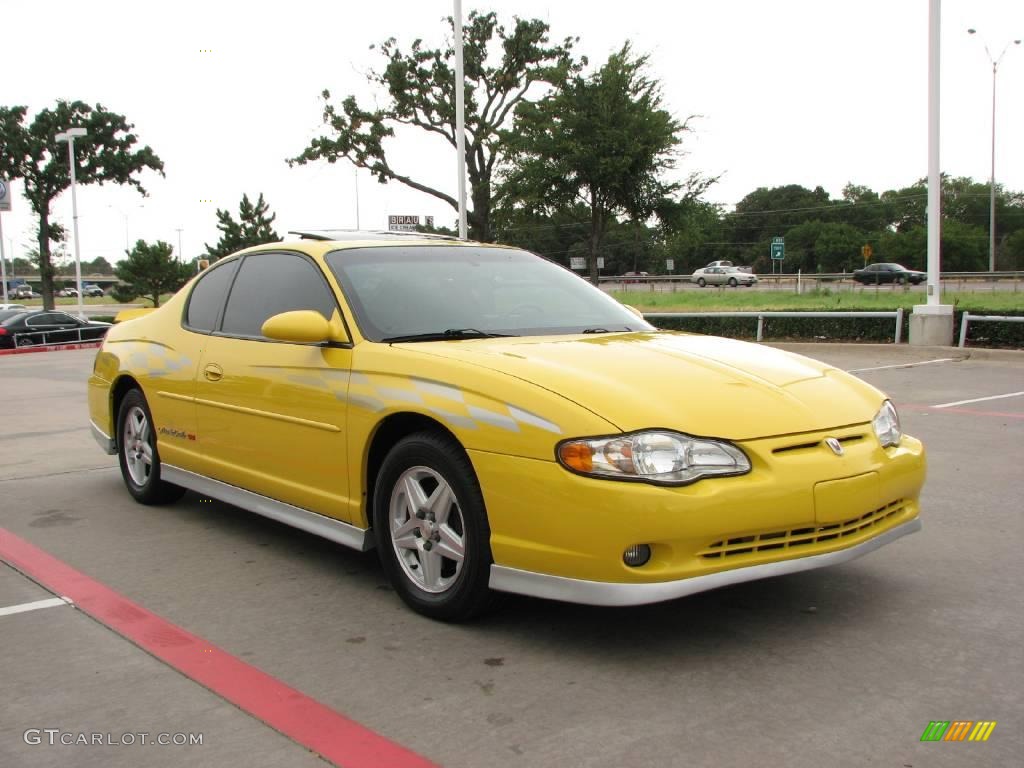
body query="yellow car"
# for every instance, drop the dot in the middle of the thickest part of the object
(490, 422)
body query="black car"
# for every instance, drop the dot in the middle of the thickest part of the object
(24, 328)
(875, 274)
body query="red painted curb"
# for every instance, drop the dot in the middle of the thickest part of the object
(303, 719)
(51, 348)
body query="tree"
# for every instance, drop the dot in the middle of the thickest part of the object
(150, 271)
(30, 152)
(603, 140)
(253, 227)
(421, 94)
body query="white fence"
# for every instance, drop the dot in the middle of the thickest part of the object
(968, 318)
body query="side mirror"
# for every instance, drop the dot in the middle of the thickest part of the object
(635, 311)
(301, 327)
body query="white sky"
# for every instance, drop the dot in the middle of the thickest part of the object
(791, 92)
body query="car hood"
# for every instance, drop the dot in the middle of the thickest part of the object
(701, 385)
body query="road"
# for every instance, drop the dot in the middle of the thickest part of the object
(837, 667)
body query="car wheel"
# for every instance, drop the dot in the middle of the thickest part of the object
(732, 282)
(701, 282)
(431, 528)
(138, 455)
(901, 280)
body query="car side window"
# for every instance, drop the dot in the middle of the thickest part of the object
(207, 299)
(271, 283)
(48, 319)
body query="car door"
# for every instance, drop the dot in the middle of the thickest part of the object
(270, 414)
(52, 328)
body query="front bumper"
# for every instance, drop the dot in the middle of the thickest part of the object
(504, 579)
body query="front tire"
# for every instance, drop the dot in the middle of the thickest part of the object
(732, 282)
(137, 453)
(431, 528)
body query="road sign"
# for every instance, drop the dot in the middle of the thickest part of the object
(866, 251)
(5, 196)
(778, 248)
(600, 262)
(403, 223)
(429, 221)
(670, 264)
(577, 262)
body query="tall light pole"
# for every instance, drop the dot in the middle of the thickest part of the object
(992, 181)
(181, 256)
(460, 118)
(69, 136)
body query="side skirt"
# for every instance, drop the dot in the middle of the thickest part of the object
(303, 519)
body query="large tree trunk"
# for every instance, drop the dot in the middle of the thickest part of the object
(45, 267)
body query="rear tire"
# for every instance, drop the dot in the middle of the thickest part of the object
(138, 455)
(431, 528)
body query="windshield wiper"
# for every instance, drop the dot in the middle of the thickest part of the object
(452, 334)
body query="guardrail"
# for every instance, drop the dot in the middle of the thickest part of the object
(968, 318)
(897, 316)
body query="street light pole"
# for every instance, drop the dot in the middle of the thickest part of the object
(992, 178)
(69, 136)
(181, 256)
(460, 118)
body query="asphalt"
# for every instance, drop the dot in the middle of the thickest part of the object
(838, 667)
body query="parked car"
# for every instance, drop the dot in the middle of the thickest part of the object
(23, 292)
(631, 277)
(92, 290)
(11, 306)
(489, 421)
(31, 327)
(65, 292)
(731, 276)
(876, 274)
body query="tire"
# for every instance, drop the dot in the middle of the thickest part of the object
(138, 455)
(732, 282)
(901, 280)
(412, 543)
(701, 282)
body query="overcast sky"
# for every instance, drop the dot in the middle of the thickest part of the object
(811, 92)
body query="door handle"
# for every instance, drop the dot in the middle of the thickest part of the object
(213, 372)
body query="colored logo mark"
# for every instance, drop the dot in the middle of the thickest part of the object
(958, 730)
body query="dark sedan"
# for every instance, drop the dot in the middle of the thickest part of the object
(875, 274)
(24, 328)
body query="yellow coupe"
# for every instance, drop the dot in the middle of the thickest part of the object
(490, 422)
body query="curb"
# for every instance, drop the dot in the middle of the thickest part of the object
(51, 348)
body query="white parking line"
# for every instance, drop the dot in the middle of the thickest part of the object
(979, 400)
(905, 365)
(52, 602)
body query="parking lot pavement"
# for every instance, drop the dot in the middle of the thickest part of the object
(845, 666)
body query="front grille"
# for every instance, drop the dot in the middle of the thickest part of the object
(800, 537)
(814, 444)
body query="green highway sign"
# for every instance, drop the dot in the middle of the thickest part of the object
(778, 248)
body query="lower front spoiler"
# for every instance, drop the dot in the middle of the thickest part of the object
(505, 579)
(106, 442)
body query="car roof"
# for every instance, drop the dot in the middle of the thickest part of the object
(321, 242)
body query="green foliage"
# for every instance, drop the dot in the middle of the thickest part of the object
(420, 93)
(602, 140)
(30, 151)
(149, 271)
(253, 227)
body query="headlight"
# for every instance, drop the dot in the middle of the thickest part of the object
(887, 425)
(654, 456)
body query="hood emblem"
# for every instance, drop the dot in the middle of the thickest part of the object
(835, 445)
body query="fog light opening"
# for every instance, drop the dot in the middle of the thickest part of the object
(637, 555)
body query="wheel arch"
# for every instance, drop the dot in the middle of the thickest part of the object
(386, 434)
(122, 385)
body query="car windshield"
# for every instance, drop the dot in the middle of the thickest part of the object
(469, 292)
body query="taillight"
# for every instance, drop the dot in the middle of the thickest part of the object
(3, 331)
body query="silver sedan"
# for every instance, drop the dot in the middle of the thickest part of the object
(731, 276)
